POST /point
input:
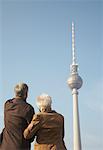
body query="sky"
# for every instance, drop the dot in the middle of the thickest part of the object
(35, 48)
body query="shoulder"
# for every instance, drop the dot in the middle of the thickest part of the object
(53, 111)
(9, 101)
(28, 112)
(29, 107)
(37, 116)
(40, 116)
(59, 116)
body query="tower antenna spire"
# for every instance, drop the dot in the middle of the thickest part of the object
(73, 45)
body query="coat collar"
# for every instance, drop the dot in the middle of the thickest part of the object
(18, 100)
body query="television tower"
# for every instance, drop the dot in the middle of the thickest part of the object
(75, 82)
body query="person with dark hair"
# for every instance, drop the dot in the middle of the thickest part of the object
(47, 126)
(17, 115)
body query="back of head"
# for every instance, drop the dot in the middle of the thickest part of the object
(44, 102)
(21, 90)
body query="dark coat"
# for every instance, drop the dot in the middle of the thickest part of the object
(17, 115)
(49, 131)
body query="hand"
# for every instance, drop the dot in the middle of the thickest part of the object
(30, 126)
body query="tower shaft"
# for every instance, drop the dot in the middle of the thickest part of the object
(76, 125)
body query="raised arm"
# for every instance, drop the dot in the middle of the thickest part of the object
(33, 127)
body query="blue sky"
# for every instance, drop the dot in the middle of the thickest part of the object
(35, 47)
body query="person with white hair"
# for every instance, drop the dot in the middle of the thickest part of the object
(17, 115)
(47, 126)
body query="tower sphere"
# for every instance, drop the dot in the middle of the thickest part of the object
(75, 81)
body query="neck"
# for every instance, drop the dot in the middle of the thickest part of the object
(45, 109)
(20, 98)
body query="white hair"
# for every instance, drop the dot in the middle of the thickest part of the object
(44, 100)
